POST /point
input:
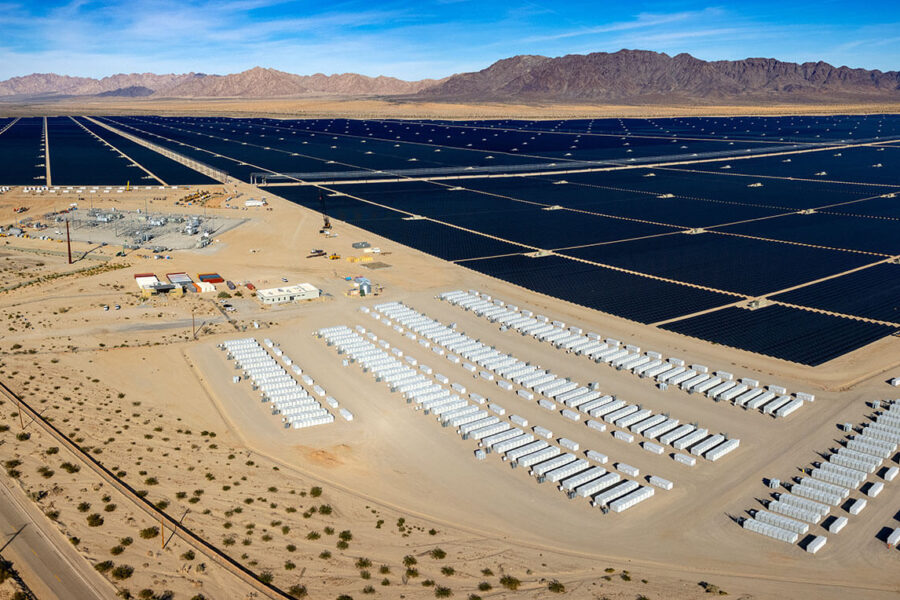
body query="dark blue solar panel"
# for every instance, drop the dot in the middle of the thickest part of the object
(873, 293)
(78, 158)
(21, 153)
(874, 207)
(723, 186)
(835, 231)
(519, 222)
(601, 193)
(171, 172)
(872, 165)
(791, 334)
(438, 240)
(731, 263)
(630, 296)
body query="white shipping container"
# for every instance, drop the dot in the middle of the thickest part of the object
(628, 469)
(629, 500)
(837, 524)
(542, 432)
(770, 530)
(894, 538)
(597, 456)
(571, 414)
(624, 436)
(661, 483)
(816, 544)
(569, 444)
(654, 448)
(596, 425)
(685, 459)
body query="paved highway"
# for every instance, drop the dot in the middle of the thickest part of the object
(45, 560)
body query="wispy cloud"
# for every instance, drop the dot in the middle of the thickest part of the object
(431, 38)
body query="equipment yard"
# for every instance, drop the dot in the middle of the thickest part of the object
(633, 381)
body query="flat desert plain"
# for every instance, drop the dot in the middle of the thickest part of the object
(390, 504)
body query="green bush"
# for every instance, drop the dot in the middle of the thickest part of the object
(104, 566)
(438, 554)
(122, 572)
(556, 587)
(510, 582)
(94, 520)
(149, 533)
(298, 591)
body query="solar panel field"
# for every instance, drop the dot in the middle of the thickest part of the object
(652, 220)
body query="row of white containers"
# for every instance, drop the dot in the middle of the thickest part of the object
(581, 401)
(521, 449)
(276, 385)
(828, 485)
(720, 385)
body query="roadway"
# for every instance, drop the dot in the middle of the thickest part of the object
(46, 561)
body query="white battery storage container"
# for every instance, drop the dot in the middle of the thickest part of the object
(598, 457)
(659, 482)
(685, 459)
(624, 436)
(628, 469)
(652, 448)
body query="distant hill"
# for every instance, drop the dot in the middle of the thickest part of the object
(132, 91)
(256, 83)
(641, 76)
(626, 76)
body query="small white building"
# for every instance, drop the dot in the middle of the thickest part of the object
(301, 291)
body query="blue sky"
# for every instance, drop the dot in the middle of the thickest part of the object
(431, 38)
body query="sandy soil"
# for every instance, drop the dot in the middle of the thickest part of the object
(371, 108)
(153, 403)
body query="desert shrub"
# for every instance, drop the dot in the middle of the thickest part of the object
(149, 533)
(556, 587)
(122, 572)
(298, 591)
(104, 566)
(94, 520)
(438, 554)
(510, 582)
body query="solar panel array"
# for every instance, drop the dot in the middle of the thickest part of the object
(653, 220)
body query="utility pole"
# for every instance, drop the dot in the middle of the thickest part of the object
(68, 241)
(162, 533)
(193, 325)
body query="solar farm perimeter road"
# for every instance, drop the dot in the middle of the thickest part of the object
(45, 560)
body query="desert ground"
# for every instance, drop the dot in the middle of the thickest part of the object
(383, 108)
(389, 504)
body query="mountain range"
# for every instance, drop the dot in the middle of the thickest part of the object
(626, 76)
(253, 83)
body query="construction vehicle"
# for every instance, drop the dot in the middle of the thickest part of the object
(315, 253)
(326, 222)
(335, 256)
